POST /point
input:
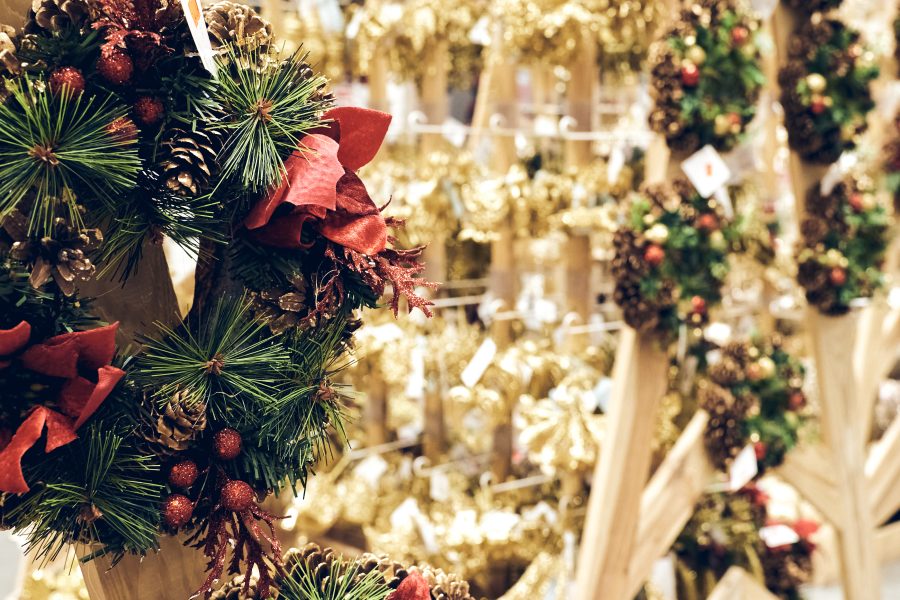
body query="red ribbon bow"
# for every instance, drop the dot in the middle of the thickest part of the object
(62, 356)
(321, 183)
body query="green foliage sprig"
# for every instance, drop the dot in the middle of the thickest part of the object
(825, 89)
(671, 260)
(345, 581)
(271, 104)
(842, 246)
(59, 149)
(706, 78)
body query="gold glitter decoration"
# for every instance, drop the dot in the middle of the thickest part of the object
(59, 580)
(406, 30)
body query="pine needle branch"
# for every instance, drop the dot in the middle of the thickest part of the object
(345, 581)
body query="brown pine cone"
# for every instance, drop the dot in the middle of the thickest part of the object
(172, 429)
(786, 569)
(234, 590)
(189, 159)
(9, 62)
(394, 573)
(50, 16)
(726, 372)
(282, 309)
(61, 256)
(445, 586)
(237, 24)
(724, 437)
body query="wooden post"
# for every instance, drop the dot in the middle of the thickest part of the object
(738, 584)
(378, 77)
(173, 573)
(608, 542)
(582, 90)
(376, 409)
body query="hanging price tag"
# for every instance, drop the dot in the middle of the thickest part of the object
(743, 469)
(197, 24)
(775, 536)
(471, 375)
(706, 170)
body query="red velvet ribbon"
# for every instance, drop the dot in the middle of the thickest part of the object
(321, 183)
(79, 398)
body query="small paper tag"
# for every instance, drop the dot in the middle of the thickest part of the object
(706, 170)
(471, 375)
(197, 25)
(615, 164)
(415, 385)
(480, 34)
(743, 469)
(775, 536)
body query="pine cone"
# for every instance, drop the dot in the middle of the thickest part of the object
(61, 256)
(50, 16)
(233, 590)
(724, 437)
(189, 160)
(394, 573)
(9, 62)
(786, 569)
(445, 586)
(238, 24)
(173, 428)
(282, 309)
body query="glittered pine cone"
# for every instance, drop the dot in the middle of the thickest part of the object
(282, 309)
(51, 16)
(238, 24)
(394, 573)
(445, 586)
(726, 372)
(188, 159)
(9, 62)
(172, 428)
(786, 569)
(61, 256)
(738, 352)
(234, 590)
(813, 230)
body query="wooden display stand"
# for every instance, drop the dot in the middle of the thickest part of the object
(738, 584)
(852, 488)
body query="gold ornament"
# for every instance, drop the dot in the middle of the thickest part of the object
(816, 83)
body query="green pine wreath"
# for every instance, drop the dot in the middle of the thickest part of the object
(706, 78)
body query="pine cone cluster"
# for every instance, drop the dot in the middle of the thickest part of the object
(725, 435)
(171, 429)
(189, 159)
(230, 23)
(629, 268)
(234, 590)
(51, 16)
(61, 256)
(445, 586)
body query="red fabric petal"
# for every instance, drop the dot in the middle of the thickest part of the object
(284, 232)
(366, 234)
(74, 396)
(13, 340)
(353, 197)
(414, 587)
(805, 528)
(311, 176)
(60, 356)
(59, 433)
(56, 360)
(362, 131)
(107, 379)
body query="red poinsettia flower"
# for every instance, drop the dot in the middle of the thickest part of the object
(68, 357)
(321, 184)
(805, 528)
(414, 587)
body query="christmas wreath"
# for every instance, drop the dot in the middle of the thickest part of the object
(825, 89)
(118, 130)
(706, 77)
(670, 259)
(753, 394)
(842, 245)
(727, 529)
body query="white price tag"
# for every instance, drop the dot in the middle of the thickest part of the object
(706, 171)
(480, 34)
(473, 372)
(775, 536)
(197, 24)
(743, 469)
(415, 385)
(439, 485)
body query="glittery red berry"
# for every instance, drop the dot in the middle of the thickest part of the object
(760, 449)
(707, 222)
(818, 106)
(690, 75)
(148, 110)
(856, 202)
(177, 511)
(115, 66)
(237, 496)
(739, 35)
(184, 474)
(698, 305)
(654, 255)
(797, 401)
(227, 444)
(838, 276)
(67, 78)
